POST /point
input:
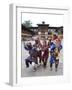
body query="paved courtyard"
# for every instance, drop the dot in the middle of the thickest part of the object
(28, 72)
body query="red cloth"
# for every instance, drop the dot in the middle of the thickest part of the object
(46, 52)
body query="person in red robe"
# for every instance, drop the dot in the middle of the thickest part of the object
(39, 52)
(45, 53)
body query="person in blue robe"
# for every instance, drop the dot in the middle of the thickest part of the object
(52, 58)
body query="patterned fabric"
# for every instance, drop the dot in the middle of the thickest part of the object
(52, 59)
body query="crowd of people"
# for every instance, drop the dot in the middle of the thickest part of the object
(42, 51)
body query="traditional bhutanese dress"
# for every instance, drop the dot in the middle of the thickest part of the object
(52, 59)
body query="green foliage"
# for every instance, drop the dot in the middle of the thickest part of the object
(27, 23)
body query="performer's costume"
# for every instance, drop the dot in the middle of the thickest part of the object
(32, 55)
(52, 46)
(52, 57)
(39, 52)
(56, 59)
(45, 55)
